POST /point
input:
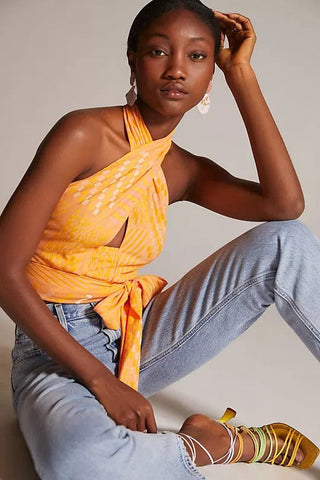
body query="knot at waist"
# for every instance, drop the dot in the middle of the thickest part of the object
(122, 308)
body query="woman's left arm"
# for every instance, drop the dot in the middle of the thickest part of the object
(279, 195)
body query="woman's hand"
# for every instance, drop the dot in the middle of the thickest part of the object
(124, 405)
(241, 38)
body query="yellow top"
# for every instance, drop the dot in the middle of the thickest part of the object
(73, 264)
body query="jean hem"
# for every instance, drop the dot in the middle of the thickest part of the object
(188, 463)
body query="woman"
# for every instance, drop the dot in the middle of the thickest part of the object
(100, 184)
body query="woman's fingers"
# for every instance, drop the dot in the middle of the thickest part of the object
(143, 421)
(241, 22)
(144, 424)
(151, 425)
(229, 27)
(131, 424)
(233, 18)
(241, 39)
(222, 40)
(233, 23)
(141, 424)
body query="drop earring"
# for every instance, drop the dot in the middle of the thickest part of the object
(204, 105)
(131, 96)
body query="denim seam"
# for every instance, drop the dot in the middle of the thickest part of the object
(188, 463)
(31, 353)
(80, 317)
(216, 309)
(56, 306)
(61, 316)
(298, 312)
(70, 318)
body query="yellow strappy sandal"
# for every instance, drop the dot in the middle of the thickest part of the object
(259, 435)
(290, 436)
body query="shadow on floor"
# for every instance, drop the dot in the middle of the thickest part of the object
(313, 473)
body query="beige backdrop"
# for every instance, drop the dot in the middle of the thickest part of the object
(61, 55)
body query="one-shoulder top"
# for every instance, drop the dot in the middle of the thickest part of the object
(73, 262)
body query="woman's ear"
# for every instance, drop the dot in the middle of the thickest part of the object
(132, 78)
(132, 61)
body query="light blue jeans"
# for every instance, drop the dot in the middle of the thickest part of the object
(69, 434)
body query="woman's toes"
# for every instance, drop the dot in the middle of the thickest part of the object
(286, 458)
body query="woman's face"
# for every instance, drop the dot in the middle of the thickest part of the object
(174, 62)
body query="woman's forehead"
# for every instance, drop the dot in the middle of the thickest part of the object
(178, 23)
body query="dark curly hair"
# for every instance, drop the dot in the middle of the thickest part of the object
(156, 8)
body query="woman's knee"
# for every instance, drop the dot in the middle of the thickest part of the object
(282, 231)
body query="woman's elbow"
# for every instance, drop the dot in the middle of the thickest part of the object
(298, 208)
(290, 210)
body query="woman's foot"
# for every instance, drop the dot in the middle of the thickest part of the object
(215, 438)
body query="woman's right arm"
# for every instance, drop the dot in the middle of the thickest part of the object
(65, 153)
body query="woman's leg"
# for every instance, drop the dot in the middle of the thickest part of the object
(68, 432)
(70, 436)
(215, 302)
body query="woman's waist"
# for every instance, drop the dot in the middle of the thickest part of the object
(54, 285)
(105, 270)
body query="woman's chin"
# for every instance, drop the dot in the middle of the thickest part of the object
(167, 106)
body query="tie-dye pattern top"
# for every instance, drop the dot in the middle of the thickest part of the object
(73, 262)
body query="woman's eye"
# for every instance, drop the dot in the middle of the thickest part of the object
(198, 56)
(157, 52)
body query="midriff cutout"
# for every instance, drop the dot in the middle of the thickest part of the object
(117, 241)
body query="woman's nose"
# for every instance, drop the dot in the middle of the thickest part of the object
(176, 68)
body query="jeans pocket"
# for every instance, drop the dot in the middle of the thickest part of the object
(58, 312)
(113, 342)
(24, 347)
(26, 356)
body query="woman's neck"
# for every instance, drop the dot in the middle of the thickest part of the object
(158, 125)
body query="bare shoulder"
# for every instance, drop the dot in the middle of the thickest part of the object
(73, 129)
(75, 147)
(88, 139)
(103, 120)
(88, 125)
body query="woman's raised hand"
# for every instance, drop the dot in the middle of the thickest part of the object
(241, 38)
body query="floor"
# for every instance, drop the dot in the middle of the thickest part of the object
(266, 375)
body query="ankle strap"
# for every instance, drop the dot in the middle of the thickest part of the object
(190, 442)
(227, 458)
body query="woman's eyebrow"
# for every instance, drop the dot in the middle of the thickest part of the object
(163, 35)
(198, 39)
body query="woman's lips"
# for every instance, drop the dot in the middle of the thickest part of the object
(174, 90)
